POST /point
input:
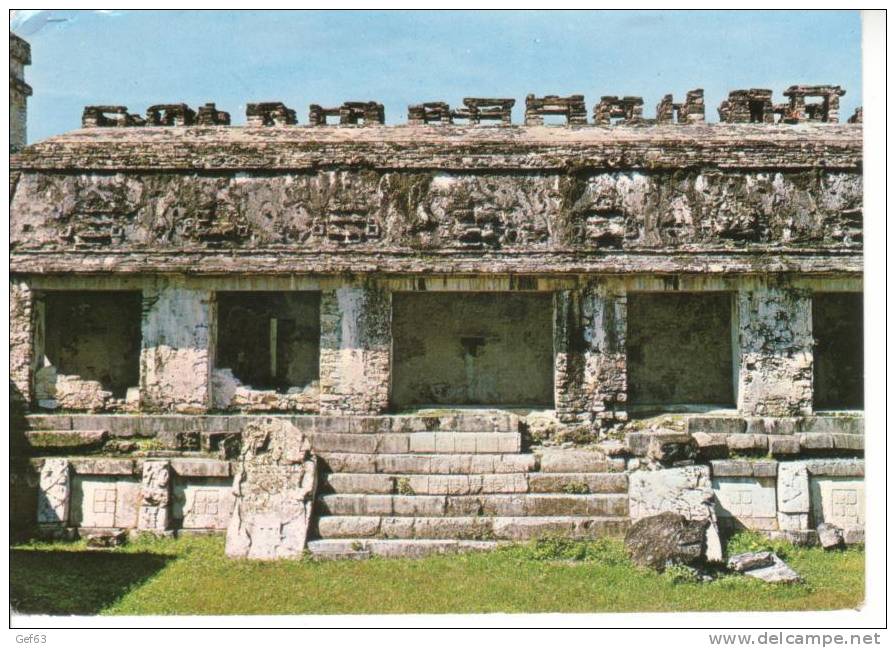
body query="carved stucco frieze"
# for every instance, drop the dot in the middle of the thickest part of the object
(391, 211)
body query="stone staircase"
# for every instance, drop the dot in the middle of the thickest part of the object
(415, 493)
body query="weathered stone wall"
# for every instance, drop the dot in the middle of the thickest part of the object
(775, 325)
(21, 339)
(355, 353)
(19, 91)
(678, 349)
(175, 358)
(472, 349)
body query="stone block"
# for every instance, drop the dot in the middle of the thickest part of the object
(783, 445)
(200, 467)
(833, 425)
(836, 467)
(749, 500)
(105, 502)
(65, 439)
(102, 466)
(793, 521)
(48, 422)
(853, 442)
(816, 441)
(731, 468)
(566, 461)
(839, 501)
(588, 482)
(504, 483)
(334, 526)
(747, 442)
(360, 483)
(716, 425)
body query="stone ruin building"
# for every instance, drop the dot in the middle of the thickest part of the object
(440, 335)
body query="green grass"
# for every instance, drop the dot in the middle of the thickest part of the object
(191, 575)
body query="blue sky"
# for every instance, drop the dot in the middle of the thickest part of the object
(139, 58)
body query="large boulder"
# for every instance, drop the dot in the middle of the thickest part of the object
(666, 539)
(686, 491)
(274, 488)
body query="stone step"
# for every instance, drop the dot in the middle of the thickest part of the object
(417, 442)
(360, 548)
(150, 424)
(473, 484)
(468, 528)
(473, 505)
(578, 461)
(427, 463)
(62, 439)
(578, 482)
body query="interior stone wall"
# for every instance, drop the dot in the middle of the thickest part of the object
(95, 336)
(678, 348)
(838, 363)
(472, 349)
(244, 337)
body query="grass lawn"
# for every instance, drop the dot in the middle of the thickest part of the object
(191, 575)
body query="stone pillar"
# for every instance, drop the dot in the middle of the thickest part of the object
(775, 336)
(355, 350)
(21, 343)
(589, 359)
(54, 493)
(176, 358)
(155, 497)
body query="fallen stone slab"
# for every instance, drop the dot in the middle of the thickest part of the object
(753, 560)
(666, 539)
(764, 565)
(106, 539)
(829, 536)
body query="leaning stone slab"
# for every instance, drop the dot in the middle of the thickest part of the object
(274, 486)
(829, 536)
(686, 491)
